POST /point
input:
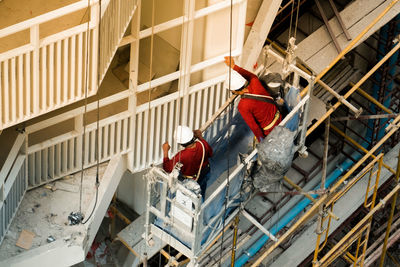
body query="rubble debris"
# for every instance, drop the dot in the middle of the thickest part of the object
(51, 187)
(66, 187)
(75, 218)
(100, 251)
(30, 210)
(25, 239)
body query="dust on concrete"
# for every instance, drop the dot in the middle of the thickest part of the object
(45, 213)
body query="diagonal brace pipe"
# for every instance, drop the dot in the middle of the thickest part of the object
(259, 226)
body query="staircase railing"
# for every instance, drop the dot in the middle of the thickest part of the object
(50, 72)
(13, 184)
(156, 123)
(114, 22)
(62, 153)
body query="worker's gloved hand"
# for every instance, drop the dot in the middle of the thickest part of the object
(166, 147)
(197, 133)
(230, 62)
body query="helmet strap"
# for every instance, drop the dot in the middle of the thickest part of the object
(189, 143)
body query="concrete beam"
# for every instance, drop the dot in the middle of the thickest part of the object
(258, 33)
(318, 50)
(115, 170)
(60, 253)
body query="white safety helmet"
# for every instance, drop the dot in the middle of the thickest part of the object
(237, 81)
(183, 134)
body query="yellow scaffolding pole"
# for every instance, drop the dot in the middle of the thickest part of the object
(333, 199)
(371, 99)
(394, 200)
(333, 127)
(360, 226)
(357, 85)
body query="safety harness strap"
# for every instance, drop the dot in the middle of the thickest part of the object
(262, 98)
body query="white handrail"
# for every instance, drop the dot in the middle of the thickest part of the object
(27, 24)
(73, 113)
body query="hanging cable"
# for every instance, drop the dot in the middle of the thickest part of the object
(297, 19)
(182, 73)
(77, 217)
(149, 93)
(229, 133)
(150, 76)
(98, 119)
(84, 117)
(291, 21)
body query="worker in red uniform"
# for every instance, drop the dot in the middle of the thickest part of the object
(256, 105)
(194, 157)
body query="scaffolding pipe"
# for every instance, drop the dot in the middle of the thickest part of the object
(357, 112)
(351, 91)
(321, 208)
(394, 200)
(357, 145)
(371, 99)
(236, 224)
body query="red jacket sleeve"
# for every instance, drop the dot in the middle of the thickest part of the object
(246, 74)
(169, 164)
(251, 122)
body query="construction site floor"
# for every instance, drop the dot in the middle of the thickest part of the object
(44, 212)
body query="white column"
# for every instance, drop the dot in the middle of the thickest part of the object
(186, 57)
(133, 74)
(34, 34)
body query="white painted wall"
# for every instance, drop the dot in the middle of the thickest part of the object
(132, 191)
(217, 38)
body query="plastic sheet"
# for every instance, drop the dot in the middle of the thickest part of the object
(275, 153)
(277, 149)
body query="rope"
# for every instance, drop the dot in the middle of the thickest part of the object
(229, 135)
(291, 21)
(84, 113)
(150, 71)
(182, 76)
(98, 120)
(297, 19)
(149, 92)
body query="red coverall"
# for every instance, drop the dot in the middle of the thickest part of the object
(190, 158)
(257, 114)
